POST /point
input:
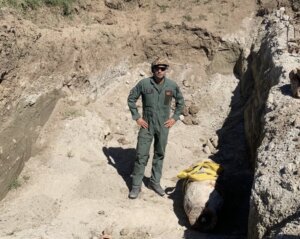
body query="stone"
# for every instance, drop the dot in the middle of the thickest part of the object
(101, 212)
(206, 150)
(195, 121)
(188, 120)
(193, 109)
(201, 203)
(124, 232)
(296, 123)
(294, 76)
(215, 141)
(210, 146)
(114, 4)
(185, 111)
(123, 141)
(186, 83)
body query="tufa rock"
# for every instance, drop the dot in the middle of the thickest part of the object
(114, 4)
(215, 141)
(295, 82)
(195, 121)
(123, 141)
(206, 150)
(193, 109)
(296, 123)
(185, 111)
(201, 203)
(188, 120)
(210, 146)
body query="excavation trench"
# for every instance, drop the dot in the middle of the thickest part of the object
(235, 181)
(91, 118)
(90, 153)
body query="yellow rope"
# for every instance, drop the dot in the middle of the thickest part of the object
(205, 170)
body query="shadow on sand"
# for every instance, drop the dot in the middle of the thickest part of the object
(122, 160)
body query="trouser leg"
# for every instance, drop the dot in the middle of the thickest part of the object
(160, 142)
(143, 147)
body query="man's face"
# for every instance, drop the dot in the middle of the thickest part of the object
(159, 71)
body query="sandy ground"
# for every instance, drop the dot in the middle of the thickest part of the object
(77, 181)
(76, 185)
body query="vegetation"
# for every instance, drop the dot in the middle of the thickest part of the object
(26, 5)
(14, 184)
(70, 154)
(163, 8)
(71, 113)
(187, 17)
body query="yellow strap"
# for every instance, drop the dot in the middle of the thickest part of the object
(205, 170)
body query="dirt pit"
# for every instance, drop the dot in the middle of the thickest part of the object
(76, 184)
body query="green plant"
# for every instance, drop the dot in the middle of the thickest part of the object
(202, 17)
(163, 8)
(14, 184)
(168, 25)
(187, 17)
(70, 154)
(71, 114)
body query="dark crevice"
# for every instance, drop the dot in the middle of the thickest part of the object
(275, 229)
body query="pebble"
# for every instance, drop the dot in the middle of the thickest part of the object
(215, 141)
(124, 232)
(195, 121)
(185, 111)
(296, 123)
(206, 150)
(187, 120)
(193, 109)
(101, 212)
(210, 146)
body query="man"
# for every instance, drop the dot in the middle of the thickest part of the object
(157, 93)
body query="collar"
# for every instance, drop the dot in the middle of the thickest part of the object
(155, 84)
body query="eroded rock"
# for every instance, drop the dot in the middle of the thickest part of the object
(295, 82)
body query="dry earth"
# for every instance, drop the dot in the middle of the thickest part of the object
(78, 184)
(77, 178)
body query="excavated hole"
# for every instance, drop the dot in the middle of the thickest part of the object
(235, 181)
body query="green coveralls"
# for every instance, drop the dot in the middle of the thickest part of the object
(156, 101)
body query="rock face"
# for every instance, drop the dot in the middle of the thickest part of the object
(295, 82)
(272, 135)
(17, 139)
(202, 202)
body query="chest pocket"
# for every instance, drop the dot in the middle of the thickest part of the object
(168, 97)
(148, 95)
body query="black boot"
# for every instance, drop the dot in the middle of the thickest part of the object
(134, 193)
(157, 188)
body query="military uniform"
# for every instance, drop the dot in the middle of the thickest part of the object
(156, 99)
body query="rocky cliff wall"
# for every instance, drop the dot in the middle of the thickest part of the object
(273, 129)
(17, 139)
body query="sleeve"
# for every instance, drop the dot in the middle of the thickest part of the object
(179, 103)
(131, 100)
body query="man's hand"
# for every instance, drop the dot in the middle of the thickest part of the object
(141, 122)
(169, 123)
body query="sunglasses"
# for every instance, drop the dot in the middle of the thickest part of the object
(162, 68)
